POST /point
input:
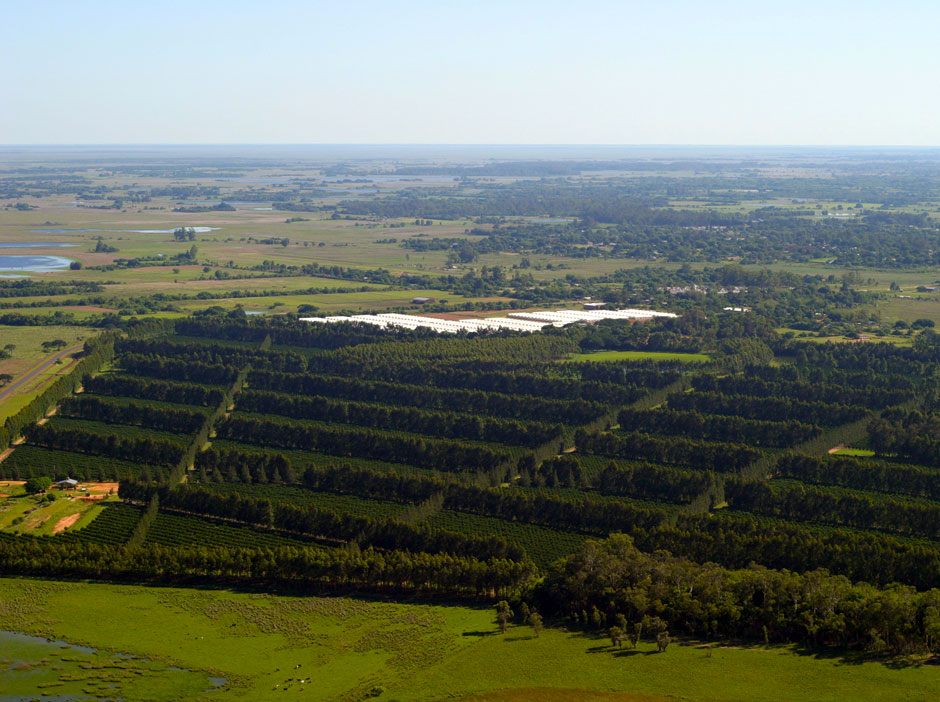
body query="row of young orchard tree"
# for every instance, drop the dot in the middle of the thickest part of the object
(496, 404)
(116, 385)
(824, 414)
(214, 354)
(808, 503)
(434, 454)
(509, 382)
(161, 368)
(677, 450)
(99, 409)
(717, 427)
(159, 452)
(862, 474)
(409, 419)
(878, 396)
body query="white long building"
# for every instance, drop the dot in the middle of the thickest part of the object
(515, 321)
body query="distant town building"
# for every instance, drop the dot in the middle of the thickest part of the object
(422, 300)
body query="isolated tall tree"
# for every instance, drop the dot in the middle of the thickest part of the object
(503, 615)
(535, 621)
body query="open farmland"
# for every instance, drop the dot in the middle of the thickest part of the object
(724, 483)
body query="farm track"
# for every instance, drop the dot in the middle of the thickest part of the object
(29, 375)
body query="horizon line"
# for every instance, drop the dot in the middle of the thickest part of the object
(468, 144)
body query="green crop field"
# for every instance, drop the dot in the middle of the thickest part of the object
(600, 356)
(542, 544)
(270, 647)
(343, 504)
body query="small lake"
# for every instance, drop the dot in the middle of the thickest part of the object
(34, 264)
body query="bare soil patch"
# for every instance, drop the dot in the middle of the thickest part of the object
(65, 522)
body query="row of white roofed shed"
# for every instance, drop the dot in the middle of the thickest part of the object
(515, 321)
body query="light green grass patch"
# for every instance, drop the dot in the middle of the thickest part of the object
(853, 452)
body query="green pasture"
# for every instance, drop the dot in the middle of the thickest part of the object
(271, 647)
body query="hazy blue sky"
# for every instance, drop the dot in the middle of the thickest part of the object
(400, 71)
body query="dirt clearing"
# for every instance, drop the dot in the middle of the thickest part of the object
(66, 522)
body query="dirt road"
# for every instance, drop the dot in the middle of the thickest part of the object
(32, 373)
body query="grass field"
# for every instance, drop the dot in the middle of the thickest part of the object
(338, 648)
(853, 452)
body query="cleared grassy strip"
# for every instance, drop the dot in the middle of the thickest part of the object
(127, 431)
(344, 504)
(543, 545)
(28, 461)
(185, 530)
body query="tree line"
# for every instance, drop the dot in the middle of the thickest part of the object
(702, 455)
(303, 568)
